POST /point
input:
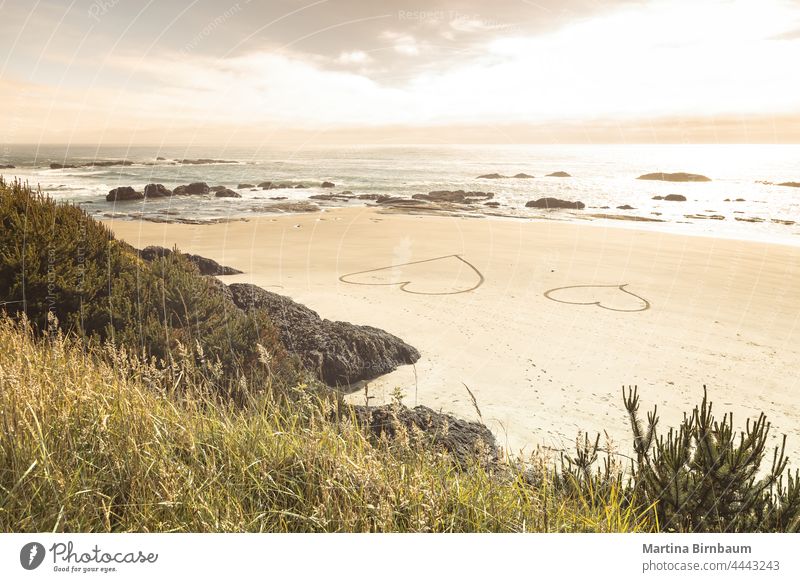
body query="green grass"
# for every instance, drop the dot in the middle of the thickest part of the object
(96, 441)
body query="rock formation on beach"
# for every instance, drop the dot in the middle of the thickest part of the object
(551, 203)
(244, 186)
(522, 175)
(559, 175)
(790, 184)
(671, 198)
(124, 193)
(328, 185)
(455, 196)
(227, 193)
(6, 167)
(205, 265)
(674, 177)
(156, 191)
(339, 353)
(491, 177)
(462, 439)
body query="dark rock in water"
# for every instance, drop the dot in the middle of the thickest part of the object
(492, 204)
(265, 185)
(782, 221)
(6, 167)
(346, 193)
(658, 197)
(740, 200)
(328, 185)
(491, 177)
(338, 353)
(368, 196)
(397, 201)
(156, 191)
(197, 188)
(205, 161)
(674, 177)
(559, 175)
(55, 166)
(455, 196)
(554, 203)
(625, 207)
(299, 186)
(160, 159)
(278, 198)
(227, 193)
(704, 216)
(179, 191)
(753, 219)
(204, 265)
(790, 184)
(522, 175)
(217, 188)
(243, 186)
(124, 193)
(465, 441)
(675, 198)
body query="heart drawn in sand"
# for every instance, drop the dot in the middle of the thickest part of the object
(448, 275)
(611, 297)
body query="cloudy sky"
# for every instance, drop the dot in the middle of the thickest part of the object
(499, 71)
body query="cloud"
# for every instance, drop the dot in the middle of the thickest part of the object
(403, 44)
(354, 58)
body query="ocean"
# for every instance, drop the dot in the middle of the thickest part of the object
(742, 197)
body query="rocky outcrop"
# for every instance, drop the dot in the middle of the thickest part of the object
(522, 175)
(156, 191)
(789, 184)
(625, 207)
(56, 166)
(671, 198)
(6, 167)
(674, 177)
(551, 203)
(124, 193)
(205, 265)
(337, 352)
(193, 188)
(559, 175)
(244, 186)
(491, 177)
(465, 441)
(328, 185)
(454, 196)
(200, 161)
(265, 185)
(227, 193)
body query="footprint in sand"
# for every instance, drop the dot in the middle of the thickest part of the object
(448, 275)
(609, 297)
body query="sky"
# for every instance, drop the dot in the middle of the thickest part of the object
(407, 71)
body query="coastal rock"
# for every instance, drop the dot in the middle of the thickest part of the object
(337, 352)
(299, 186)
(123, 193)
(454, 196)
(227, 193)
(156, 191)
(492, 204)
(6, 167)
(160, 159)
(200, 161)
(463, 440)
(674, 177)
(217, 188)
(790, 184)
(491, 177)
(559, 175)
(522, 175)
(265, 185)
(107, 163)
(197, 188)
(179, 191)
(625, 207)
(56, 166)
(671, 198)
(551, 203)
(330, 197)
(328, 185)
(205, 265)
(244, 186)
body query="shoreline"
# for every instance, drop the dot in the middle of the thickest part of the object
(723, 312)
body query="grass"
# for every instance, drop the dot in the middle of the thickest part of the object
(99, 441)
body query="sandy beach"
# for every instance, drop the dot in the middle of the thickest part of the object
(543, 321)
